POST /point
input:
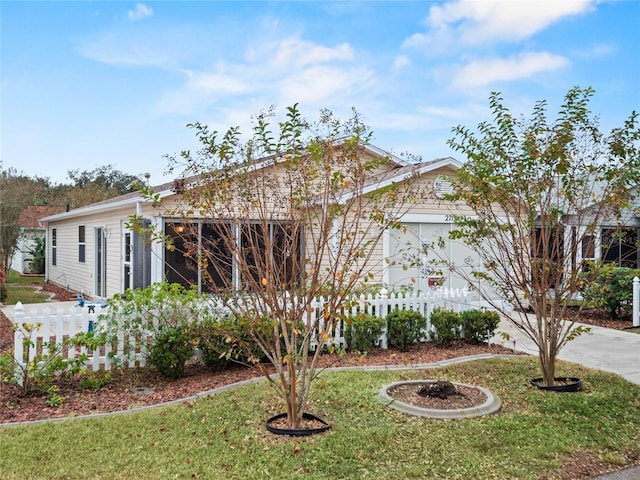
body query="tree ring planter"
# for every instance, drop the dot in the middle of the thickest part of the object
(565, 384)
(292, 432)
(491, 405)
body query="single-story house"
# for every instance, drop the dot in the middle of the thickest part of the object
(91, 250)
(31, 228)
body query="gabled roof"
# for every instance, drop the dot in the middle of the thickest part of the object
(125, 200)
(398, 174)
(402, 169)
(29, 217)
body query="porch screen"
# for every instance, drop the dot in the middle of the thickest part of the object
(180, 261)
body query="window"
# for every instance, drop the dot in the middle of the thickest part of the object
(216, 253)
(203, 254)
(180, 263)
(82, 246)
(588, 247)
(619, 247)
(275, 253)
(54, 246)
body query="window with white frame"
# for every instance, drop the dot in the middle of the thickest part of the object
(82, 246)
(54, 246)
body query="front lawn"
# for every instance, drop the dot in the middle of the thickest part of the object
(537, 434)
(15, 278)
(24, 289)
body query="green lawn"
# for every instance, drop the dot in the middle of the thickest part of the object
(17, 291)
(15, 278)
(223, 437)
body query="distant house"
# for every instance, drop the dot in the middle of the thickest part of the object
(91, 250)
(30, 229)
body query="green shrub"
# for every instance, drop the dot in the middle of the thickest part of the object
(447, 324)
(139, 314)
(94, 380)
(479, 325)
(38, 374)
(7, 366)
(404, 328)
(363, 331)
(219, 342)
(610, 287)
(38, 254)
(170, 350)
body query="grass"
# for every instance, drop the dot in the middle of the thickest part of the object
(221, 437)
(17, 291)
(17, 279)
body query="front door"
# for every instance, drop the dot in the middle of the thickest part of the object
(127, 264)
(100, 262)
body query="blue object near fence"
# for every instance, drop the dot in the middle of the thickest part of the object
(92, 308)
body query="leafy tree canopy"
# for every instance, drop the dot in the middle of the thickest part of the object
(541, 190)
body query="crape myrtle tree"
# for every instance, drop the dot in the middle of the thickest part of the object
(540, 190)
(289, 216)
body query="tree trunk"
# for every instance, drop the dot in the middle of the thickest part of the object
(548, 366)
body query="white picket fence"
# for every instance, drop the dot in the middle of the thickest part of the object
(636, 302)
(50, 327)
(37, 332)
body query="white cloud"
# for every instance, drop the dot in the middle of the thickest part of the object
(217, 83)
(293, 53)
(400, 62)
(485, 72)
(282, 71)
(600, 50)
(141, 11)
(320, 84)
(113, 49)
(471, 23)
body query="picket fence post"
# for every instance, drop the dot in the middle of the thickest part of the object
(18, 342)
(382, 310)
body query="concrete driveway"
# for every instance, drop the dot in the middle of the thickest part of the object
(606, 349)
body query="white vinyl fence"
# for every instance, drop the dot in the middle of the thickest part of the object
(50, 327)
(37, 332)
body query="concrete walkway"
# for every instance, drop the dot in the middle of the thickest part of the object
(606, 349)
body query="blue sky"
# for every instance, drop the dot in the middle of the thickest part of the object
(86, 84)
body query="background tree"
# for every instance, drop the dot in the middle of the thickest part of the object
(294, 214)
(17, 191)
(91, 186)
(540, 192)
(105, 176)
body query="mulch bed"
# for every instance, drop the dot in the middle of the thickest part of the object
(413, 394)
